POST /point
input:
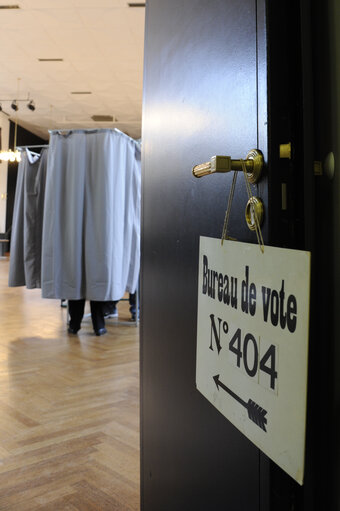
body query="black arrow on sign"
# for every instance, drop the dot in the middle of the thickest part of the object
(255, 412)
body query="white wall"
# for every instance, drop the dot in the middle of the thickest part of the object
(4, 125)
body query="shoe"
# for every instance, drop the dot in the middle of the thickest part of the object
(73, 331)
(112, 313)
(133, 313)
(101, 331)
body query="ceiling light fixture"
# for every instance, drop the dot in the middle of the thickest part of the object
(51, 60)
(136, 4)
(31, 105)
(15, 106)
(10, 155)
(81, 92)
(9, 6)
(14, 155)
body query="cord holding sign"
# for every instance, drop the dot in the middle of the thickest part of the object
(252, 168)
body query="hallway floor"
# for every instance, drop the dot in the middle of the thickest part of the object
(69, 419)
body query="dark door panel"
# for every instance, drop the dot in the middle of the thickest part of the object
(200, 99)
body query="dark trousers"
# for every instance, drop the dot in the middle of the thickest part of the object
(76, 311)
(132, 300)
(109, 306)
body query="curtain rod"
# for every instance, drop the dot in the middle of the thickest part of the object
(89, 131)
(31, 146)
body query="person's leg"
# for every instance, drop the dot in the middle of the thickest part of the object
(76, 311)
(110, 309)
(132, 302)
(97, 315)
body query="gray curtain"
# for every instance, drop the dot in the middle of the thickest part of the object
(26, 237)
(91, 228)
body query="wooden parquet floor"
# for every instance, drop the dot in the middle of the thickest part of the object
(69, 419)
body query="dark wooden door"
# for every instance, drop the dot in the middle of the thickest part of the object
(205, 93)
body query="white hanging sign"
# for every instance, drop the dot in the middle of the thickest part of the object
(252, 343)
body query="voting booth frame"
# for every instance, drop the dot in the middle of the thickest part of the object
(192, 457)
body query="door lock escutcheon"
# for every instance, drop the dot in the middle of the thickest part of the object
(254, 207)
(253, 163)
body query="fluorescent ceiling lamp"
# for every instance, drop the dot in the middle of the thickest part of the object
(103, 118)
(51, 60)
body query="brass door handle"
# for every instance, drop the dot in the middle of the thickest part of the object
(253, 163)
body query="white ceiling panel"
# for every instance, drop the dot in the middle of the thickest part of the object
(9, 51)
(116, 19)
(63, 18)
(15, 19)
(33, 43)
(101, 44)
(76, 45)
(94, 4)
(45, 4)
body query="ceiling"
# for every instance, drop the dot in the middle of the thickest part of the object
(101, 45)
